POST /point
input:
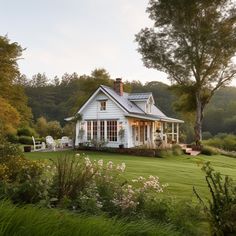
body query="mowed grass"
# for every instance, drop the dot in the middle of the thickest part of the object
(180, 172)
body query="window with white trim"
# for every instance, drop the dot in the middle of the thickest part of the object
(145, 133)
(103, 105)
(89, 129)
(95, 130)
(102, 130)
(112, 130)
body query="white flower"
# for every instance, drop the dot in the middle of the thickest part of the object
(87, 162)
(110, 165)
(100, 163)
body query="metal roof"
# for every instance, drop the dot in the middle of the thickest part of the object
(139, 96)
(126, 101)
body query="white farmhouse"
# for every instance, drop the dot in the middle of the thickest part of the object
(116, 118)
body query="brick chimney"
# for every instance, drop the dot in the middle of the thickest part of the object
(118, 86)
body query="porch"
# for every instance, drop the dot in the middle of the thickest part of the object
(153, 133)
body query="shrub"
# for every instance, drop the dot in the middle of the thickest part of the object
(183, 215)
(26, 140)
(54, 129)
(9, 150)
(23, 181)
(221, 211)
(26, 131)
(12, 138)
(209, 151)
(177, 150)
(223, 141)
(187, 217)
(94, 186)
(206, 135)
(40, 140)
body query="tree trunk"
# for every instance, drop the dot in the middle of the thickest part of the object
(198, 121)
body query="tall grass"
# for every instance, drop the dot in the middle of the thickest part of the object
(29, 220)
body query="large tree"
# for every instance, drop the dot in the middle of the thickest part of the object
(194, 42)
(11, 90)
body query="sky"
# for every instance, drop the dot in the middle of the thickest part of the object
(78, 36)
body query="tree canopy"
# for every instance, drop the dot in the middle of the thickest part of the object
(194, 42)
(12, 97)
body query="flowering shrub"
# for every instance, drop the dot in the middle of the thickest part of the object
(9, 150)
(24, 181)
(134, 196)
(94, 186)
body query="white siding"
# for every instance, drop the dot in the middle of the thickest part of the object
(113, 111)
(92, 111)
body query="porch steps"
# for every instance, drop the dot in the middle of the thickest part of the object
(189, 151)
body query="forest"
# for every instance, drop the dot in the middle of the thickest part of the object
(43, 103)
(58, 98)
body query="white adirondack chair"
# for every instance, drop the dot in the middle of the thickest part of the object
(37, 145)
(51, 142)
(65, 141)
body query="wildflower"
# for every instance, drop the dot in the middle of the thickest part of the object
(87, 162)
(110, 165)
(100, 163)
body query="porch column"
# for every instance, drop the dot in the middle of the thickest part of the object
(173, 131)
(177, 138)
(162, 130)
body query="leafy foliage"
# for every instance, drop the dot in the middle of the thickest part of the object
(223, 141)
(15, 101)
(9, 117)
(221, 211)
(194, 43)
(23, 181)
(9, 150)
(31, 220)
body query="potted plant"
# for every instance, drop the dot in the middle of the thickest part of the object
(121, 134)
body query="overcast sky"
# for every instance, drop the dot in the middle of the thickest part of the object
(78, 36)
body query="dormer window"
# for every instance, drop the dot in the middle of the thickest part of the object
(103, 105)
(149, 107)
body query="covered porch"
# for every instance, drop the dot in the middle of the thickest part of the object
(153, 133)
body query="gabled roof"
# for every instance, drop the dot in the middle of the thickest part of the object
(127, 104)
(122, 100)
(127, 101)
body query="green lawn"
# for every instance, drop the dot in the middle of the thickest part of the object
(181, 173)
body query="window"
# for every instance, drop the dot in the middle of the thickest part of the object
(95, 130)
(136, 134)
(89, 130)
(145, 133)
(102, 130)
(112, 130)
(103, 105)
